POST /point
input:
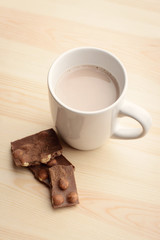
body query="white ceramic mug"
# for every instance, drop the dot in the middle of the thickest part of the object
(89, 130)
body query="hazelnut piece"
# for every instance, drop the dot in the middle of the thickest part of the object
(27, 146)
(52, 163)
(45, 158)
(58, 199)
(63, 183)
(59, 153)
(25, 164)
(72, 197)
(18, 153)
(43, 175)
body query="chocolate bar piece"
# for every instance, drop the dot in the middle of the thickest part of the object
(35, 149)
(41, 172)
(63, 186)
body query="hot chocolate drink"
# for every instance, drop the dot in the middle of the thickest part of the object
(87, 88)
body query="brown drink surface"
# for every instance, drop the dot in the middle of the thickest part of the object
(87, 88)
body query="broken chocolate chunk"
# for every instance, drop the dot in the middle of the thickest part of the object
(35, 149)
(64, 195)
(41, 171)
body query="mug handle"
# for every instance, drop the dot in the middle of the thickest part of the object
(139, 114)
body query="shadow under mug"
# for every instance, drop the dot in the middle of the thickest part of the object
(89, 130)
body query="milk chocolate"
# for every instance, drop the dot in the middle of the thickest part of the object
(35, 149)
(41, 172)
(63, 186)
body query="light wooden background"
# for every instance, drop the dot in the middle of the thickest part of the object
(119, 183)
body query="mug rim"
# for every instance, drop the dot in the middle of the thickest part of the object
(80, 111)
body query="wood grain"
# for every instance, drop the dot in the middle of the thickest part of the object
(119, 183)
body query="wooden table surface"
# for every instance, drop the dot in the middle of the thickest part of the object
(119, 183)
